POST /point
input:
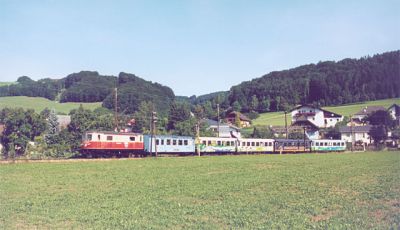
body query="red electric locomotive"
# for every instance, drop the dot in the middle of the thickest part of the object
(103, 144)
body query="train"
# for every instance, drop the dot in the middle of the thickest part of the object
(105, 144)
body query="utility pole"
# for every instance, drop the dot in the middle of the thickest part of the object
(116, 110)
(197, 141)
(304, 137)
(155, 119)
(286, 130)
(217, 120)
(352, 133)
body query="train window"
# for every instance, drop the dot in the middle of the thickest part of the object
(204, 142)
(98, 137)
(228, 143)
(157, 142)
(185, 142)
(257, 143)
(248, 143)
(326, 143)
(89, 137)
(218, 142)
(232, 143)
(243, 143)
(209, 142)
(109, 138)
(252, 143)
(168, 141)
(342, 143)
(162, 141)
(173, 142)
(132, 138)
(180, 142)
(316, 144)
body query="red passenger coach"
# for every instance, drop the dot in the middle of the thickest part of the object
(97, 143)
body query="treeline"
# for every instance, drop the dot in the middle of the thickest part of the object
(90, 86)
(323, 84)
(47, 88)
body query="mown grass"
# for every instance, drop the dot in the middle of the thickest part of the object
(325, 191)
(39, 103)
(278, 118)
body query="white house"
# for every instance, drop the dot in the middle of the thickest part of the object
(225, 130)
(394, 111)
(360, 133)
(319, 117)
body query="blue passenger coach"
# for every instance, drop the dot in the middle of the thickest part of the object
(169, 144)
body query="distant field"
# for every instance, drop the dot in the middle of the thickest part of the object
(6, 83)
(278, 118)
(307, 191)
(39, 103)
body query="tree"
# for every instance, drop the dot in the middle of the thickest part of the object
(178, 112)
(333, 133)
(20, 127)
(378, 134)
(52, 127)
(262, 132)
(142, 117)
(381, 117)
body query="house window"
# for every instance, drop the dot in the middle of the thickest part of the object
(109, 138)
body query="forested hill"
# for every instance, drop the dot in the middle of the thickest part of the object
(90, 86)
(325, 83)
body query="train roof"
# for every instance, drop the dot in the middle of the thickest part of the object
(112, 133)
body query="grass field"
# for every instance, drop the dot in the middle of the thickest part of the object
(39, 103)
(324, 191)
(6, 83)
(278, 118)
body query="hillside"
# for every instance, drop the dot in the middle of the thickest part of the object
(326, 83)
(39, 103)
(90, 86)
(278, 118)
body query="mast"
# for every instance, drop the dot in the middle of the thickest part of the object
(116, 109)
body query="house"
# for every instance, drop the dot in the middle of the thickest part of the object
(231, 119)
(2, 127)
(358, 117)
(225, 130)
(394, 111)
(315, 116)
(360, 133)
(63, 121)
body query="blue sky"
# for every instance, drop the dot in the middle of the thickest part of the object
(194, 47)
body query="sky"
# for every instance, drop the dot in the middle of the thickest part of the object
(195, 47)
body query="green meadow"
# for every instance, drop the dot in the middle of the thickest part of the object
(278, 118)
(39, 103)
(304, 191)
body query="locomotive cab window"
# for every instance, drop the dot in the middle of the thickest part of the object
(109, 138)
(132, 138)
